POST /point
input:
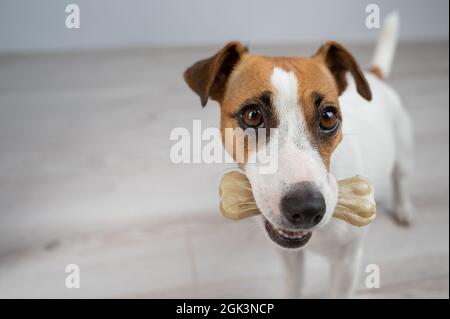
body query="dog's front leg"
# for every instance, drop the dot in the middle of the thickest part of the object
(345, 270)
(293, 263)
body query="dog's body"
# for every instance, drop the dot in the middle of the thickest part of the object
(331, 126)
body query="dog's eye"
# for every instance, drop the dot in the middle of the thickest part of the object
(251, 117)
(328, 119)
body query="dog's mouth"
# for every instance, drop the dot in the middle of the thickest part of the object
(287, 238)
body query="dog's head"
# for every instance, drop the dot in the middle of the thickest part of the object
(298, 97)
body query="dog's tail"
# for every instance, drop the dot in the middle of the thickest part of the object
(385, 49)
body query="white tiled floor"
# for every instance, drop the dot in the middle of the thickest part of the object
(85, 178)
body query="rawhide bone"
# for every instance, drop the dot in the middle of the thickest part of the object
(356, 203)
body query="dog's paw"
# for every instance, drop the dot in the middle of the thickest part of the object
(404, 215)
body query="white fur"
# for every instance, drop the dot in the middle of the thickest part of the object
(385, 50)
(292, 122)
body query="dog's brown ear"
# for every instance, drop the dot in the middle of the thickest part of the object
(339, 61)
(208, 77)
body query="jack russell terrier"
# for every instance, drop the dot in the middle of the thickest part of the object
(334, 121)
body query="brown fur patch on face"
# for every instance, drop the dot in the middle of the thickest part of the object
(249, 81)
(252, 77)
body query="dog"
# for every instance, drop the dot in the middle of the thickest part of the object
(334, 121)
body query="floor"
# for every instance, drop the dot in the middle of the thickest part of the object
(85, 178)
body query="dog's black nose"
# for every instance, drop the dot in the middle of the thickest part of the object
(304, 205)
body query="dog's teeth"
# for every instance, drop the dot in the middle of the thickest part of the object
(291, 234)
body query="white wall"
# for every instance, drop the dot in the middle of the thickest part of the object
(40, 25)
